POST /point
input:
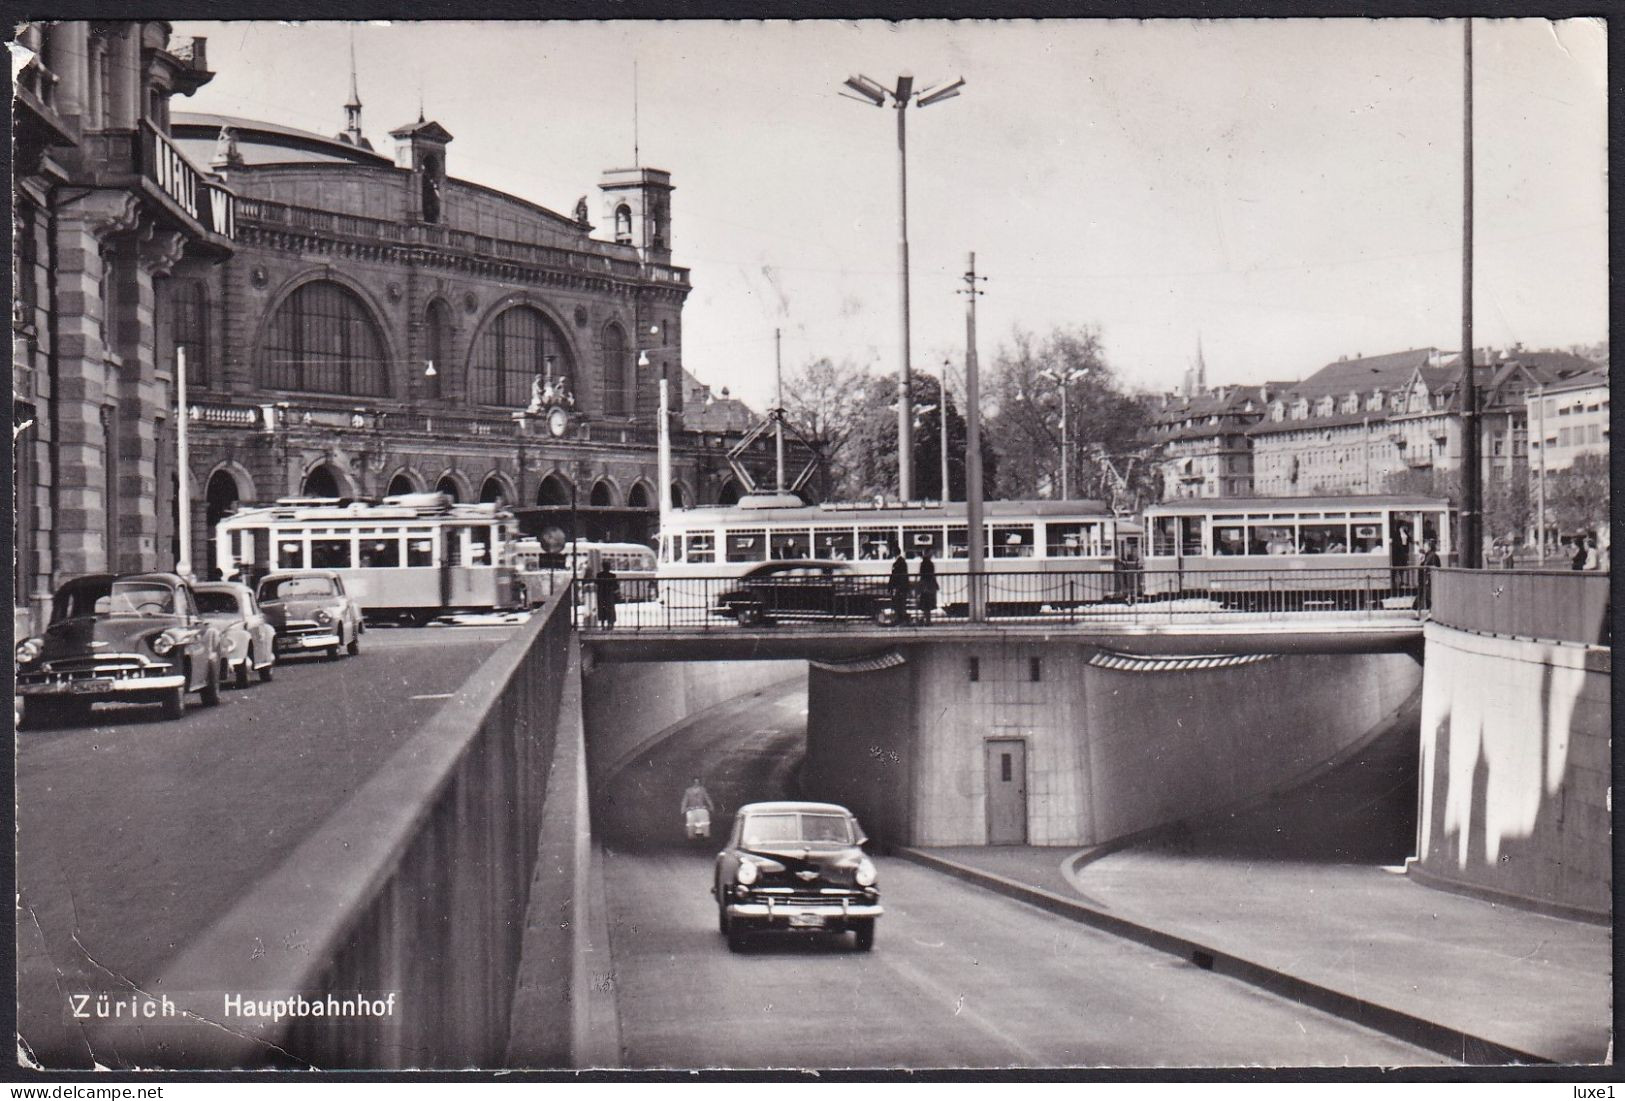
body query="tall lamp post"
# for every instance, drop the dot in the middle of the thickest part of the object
(1065, 379)
(942, 400)
(875, 93)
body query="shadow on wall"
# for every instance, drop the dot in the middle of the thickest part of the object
(1362, 811)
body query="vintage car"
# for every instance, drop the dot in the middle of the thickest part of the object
(805, 588)
(247, 636)
(136, 638)
(310, 612)
(798, 867)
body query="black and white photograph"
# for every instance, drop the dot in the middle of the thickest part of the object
(978, 546)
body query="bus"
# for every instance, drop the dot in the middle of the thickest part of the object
(542, 571)
(1314, 547)
(1044, 553)
(410, 559)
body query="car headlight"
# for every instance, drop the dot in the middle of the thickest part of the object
(29, 649)
(163, 644)
(747, 872)
(322, 616)
(866, 873)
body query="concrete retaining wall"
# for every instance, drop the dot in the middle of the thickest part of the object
(1111, 752)
(1515, 770)
(630, 706)
(417, 887)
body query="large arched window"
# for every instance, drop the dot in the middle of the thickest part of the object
(519, 345)
(437, 343)
(617, 378)
(189, 327)
(322, 339)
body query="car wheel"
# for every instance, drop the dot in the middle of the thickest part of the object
(736, 939)
(332, 653)
(174, 702)
(265, 674)
(211, 687)
(750, 616)
(355, 645)
(863, 934)
(722, 917)
(242, 670)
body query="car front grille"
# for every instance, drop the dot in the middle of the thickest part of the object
(99, 667)
(808, 897)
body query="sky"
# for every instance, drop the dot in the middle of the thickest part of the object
(1283, 192)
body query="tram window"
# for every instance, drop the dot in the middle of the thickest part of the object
(700, 547)
(290, 555)
(789, 544)
(1191, 535)
(1229, 540)
(1013, 541)
(330, 554)
(877, 543)
(1325, 538)
(1073, 540)
(1270, 539)
(746, 546)
(918, 540)
(419, 552)
(958, 542)
(1367, 539)
(479, 546)
(380, 554)
(839, 545)
(1164, 536)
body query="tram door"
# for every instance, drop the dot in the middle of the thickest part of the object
(1006, 791)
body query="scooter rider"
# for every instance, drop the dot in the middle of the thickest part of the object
(697, 810)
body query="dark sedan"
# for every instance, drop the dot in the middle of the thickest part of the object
(798, 867)
(137, 638)
(806, 588)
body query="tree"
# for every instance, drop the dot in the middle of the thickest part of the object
(873, 469)
(1025, 421)
(1577, 498)
(824, 399)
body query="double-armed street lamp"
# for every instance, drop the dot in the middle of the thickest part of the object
(876, 94)
(1065, 379)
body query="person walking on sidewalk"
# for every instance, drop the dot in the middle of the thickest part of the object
(927, 586)
(609, 595)
(899, 587)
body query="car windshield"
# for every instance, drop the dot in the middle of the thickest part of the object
(296, 588)
(115, 598)
(216, 603)
(788, 826)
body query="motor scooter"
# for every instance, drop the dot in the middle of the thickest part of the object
(697, 824)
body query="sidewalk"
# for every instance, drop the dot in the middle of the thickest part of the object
(1483, 982)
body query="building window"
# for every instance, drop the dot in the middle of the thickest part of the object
(515, 348)
(618, 374)
(322, 339)
(623, 225)
(189, 312)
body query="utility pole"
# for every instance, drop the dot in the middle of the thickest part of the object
(183, 483)
(1472, 548)
(778, 410)
(974, 535)
(942, 395)
(1540, 486)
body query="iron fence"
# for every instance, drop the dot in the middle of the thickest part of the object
(810, 598)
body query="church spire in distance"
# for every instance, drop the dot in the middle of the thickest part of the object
(352, 108)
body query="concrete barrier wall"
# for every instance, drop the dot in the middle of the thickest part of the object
(1515, 770)
(413, 894)
(631, 706)
(1111, 752)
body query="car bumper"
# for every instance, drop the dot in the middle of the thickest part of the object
(102, 686)
(296, 643)
(785, 912)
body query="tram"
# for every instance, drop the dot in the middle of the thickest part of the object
(543, 572)
(1039, 553)
(1293, 550)
(412, 558)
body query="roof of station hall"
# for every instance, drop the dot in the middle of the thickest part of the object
(262, 142)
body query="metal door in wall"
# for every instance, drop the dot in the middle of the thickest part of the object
(1006, 764)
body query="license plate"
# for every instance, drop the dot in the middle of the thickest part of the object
(806, 921)
(92, 686)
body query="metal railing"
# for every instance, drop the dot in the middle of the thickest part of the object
(1551, 605)
(1010, 596)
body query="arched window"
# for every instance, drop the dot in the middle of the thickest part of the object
(519, 345)
(447, 485)
(493, 491)
(221, 500)
(679, 497)
(617, 376)
(437, 345)
(623, 225)
(729, 494)
(602, 495)
(639, 497)
(321, 482)
(431, 189)
(322, 339)
(400, 484)
(189, 327)
(554, 491)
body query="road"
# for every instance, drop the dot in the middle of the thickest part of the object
(959, 977)
(134, 833)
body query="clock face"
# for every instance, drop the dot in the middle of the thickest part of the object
(558, 421)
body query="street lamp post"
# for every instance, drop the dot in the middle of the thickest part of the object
(942, 401)
(1065, 379)
(876, 94)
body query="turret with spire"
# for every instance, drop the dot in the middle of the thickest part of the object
(352, 110)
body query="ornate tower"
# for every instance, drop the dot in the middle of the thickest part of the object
(352, 110)
(637, 208)
(420, 147)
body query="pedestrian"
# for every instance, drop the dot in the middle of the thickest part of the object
(899, 587)
(609, 594)
(1577, 561)
(927, 588)
(1508, 557)
(1424, 576)
(1592, 560)
(697, 810)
